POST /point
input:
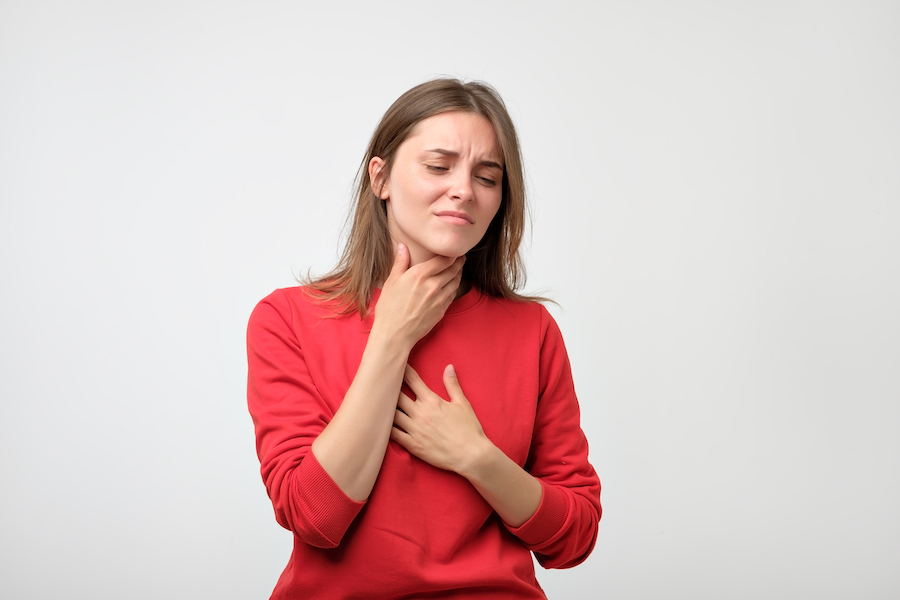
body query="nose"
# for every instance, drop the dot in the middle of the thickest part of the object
(461, 189)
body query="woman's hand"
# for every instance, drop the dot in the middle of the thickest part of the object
(414, 299)
(444, 434)
(351, 447)
(449, 436)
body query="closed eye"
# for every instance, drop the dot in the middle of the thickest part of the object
(487, 181)
(436, 168)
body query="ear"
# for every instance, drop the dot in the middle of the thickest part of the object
(378, 178)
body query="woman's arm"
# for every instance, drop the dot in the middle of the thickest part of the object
(318, 500)
(351, 447)
(552, 504)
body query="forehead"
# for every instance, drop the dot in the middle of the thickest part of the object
(464, 133)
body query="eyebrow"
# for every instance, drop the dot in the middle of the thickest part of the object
(485, 163)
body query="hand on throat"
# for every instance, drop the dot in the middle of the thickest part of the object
(418, 254)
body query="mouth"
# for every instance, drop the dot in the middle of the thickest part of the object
(456, 217)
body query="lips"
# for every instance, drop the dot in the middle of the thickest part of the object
(455, 216)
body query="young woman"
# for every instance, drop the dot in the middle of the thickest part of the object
(416, 420)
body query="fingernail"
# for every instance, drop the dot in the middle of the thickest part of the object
(451, 370)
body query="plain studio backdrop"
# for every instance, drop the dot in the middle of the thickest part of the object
(715, 192)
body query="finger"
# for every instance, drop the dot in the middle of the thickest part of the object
(415, 383)
(401, 437)
(450, 277)
(455, 268)
(454, 282)
(405, 403)
(451, 383)
(401, 261)
(402, 420)
(436, 265)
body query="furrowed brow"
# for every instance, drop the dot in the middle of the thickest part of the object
(451, 153)
(443, 152)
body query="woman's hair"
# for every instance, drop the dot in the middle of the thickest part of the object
(493, 265)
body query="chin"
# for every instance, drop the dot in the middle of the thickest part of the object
(452, 250)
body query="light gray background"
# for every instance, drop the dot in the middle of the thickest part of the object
(716, 202)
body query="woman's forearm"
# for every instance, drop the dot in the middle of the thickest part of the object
(351, 447)
(510, 490)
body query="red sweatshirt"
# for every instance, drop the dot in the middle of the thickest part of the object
(423, 532)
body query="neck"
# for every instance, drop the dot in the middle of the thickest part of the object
(417, 255)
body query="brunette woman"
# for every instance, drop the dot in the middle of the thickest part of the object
(415, 416)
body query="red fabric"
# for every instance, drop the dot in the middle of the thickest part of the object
(423, 532)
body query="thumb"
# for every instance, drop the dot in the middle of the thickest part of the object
(451, 384)
(401, 261)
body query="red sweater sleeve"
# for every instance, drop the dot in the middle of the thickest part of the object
(563, 530)
(288, 414)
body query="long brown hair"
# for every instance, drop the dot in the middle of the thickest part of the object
(493, 265)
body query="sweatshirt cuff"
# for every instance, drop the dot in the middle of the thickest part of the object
(547, 520)
(329, 510)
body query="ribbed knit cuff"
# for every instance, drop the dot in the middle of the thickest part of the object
(324, 504)
(547, 520)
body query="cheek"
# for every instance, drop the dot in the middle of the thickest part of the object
(414, 194)
(493, 211)
(407, 212)
(495, 206)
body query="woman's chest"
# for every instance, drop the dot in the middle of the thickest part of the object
(498, 369)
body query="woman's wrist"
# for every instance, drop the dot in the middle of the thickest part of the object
(510, 490)
(479, 461)
(390, 343)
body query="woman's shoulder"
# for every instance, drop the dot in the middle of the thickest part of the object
(289, 303)
(520, 303)
(522, 309)
(305, 295)
(297, 295)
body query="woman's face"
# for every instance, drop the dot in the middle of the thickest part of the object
(444, 187)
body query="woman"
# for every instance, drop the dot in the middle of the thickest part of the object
(415, 417)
